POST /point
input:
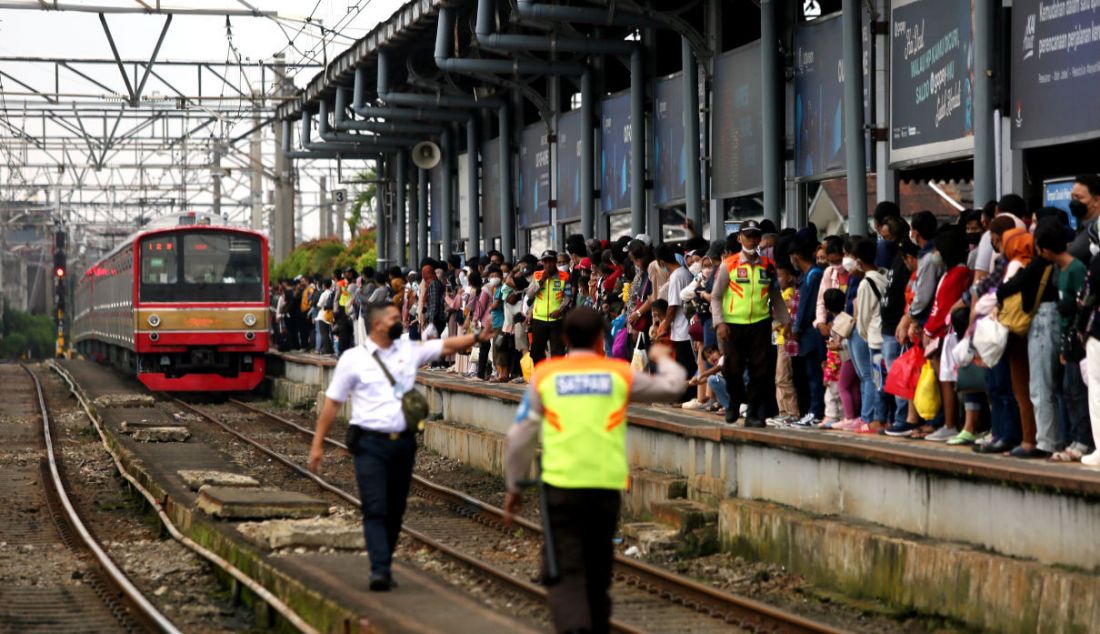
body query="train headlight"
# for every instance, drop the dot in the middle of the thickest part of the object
(154, 320)
(249, 320)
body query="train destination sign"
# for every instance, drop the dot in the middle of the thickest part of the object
(931, 79)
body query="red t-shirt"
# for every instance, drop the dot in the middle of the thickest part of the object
(950, 289)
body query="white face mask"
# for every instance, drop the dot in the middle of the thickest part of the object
(564, 268)
(696, 268)
(748, 251)
(494, 281)
(849, 264)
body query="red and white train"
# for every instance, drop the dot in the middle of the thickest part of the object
(183, 303)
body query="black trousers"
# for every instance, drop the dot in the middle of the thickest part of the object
(383, 471)
(685, 356)
(583, 523)
(483, 359)
(749, 345)
(543, 332)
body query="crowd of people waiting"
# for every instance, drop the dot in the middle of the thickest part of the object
(979, 332)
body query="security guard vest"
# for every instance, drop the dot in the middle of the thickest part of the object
(344, 296)
(550, 295)
(584, 401)
(746, 300)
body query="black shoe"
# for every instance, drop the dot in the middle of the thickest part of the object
(754, 422)
(995, 447)
(380, 582)
(731, 417)
(1034, 452)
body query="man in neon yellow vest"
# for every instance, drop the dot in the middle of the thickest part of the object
(578, 403)
(744, 297)
(550, 294)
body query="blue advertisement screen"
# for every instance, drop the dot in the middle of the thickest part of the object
(490, 192)
(736, 127)
(670, 162)
(534, 177)
(435, 183)
(1056, 193)
(570, 127)
(819, 96)
(615, 153)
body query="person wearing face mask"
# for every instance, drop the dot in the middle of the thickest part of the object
(1085, 207)
(381, 442)
(746, 298)
(835, 276)
(550, 294)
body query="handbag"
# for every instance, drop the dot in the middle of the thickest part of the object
(927, 396)
(1012, 314)
(641, 357)
(695, 328)
(972, 379)
(414, 405)
(843, 325)
(989, 340)
(904, 373)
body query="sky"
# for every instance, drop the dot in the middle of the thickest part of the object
(76, 35)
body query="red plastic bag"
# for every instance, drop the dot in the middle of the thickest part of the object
(902, 376)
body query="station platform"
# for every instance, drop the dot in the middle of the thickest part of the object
(328, 588)
(875, 516)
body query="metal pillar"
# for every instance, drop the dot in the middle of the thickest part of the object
(324, 213)
(588, 155)
(885, 178)
(771, 80)
(692, 185)
(255, 172)
(400, 211)
(413, 239)
(282, 227)
(507, 206)
(422, 214)
(473, 219)
(446, 212)
(985, 153)
(381, 237)
(854, 150)
(216, 184)
(341, 219)
(637, 142)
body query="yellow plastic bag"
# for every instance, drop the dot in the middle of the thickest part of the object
(927, 397)
(527, 366)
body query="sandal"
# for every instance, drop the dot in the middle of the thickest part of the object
(1069, 454)
(922, 431)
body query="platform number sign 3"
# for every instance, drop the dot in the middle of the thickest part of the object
(340, 196)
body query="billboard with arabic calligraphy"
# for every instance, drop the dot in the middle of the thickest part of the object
(931, 79)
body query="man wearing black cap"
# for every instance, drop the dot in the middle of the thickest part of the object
(550, 294)
(745, 298)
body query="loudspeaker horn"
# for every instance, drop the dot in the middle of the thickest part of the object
(426, 155)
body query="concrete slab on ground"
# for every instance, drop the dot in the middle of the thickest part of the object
(173, 433)
(197, 478)
(314, 532)
(255, 503)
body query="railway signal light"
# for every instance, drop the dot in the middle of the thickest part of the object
(59, 272)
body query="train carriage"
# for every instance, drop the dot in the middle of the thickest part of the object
(183, 304)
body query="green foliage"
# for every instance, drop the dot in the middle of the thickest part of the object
(316, 257)
(26, 333)
(364, 193)
(322, 257)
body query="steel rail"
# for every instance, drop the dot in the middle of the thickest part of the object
(145, 609)
(522, 585)
(260, 591)
(743, 611)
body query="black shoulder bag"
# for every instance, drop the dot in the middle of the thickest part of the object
(413, 404)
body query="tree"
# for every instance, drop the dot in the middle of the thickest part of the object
(365, 192)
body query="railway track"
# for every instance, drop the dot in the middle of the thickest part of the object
(647, 598)
(76, 586)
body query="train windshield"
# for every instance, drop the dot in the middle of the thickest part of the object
(203, 266)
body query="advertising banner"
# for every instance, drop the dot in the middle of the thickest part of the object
(490, 189)
(615, 143)
(736, 126)
(1056, 193)
(435, 185)
(534, 177)
(670, 162)
(819, 96)
(1055, 71)
(931, 79)
(569, 165)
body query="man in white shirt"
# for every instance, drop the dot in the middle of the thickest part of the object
(675, 323)
(383, 446)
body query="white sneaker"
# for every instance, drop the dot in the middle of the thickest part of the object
(693, 404)
(943, 434)
(1091, 460)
